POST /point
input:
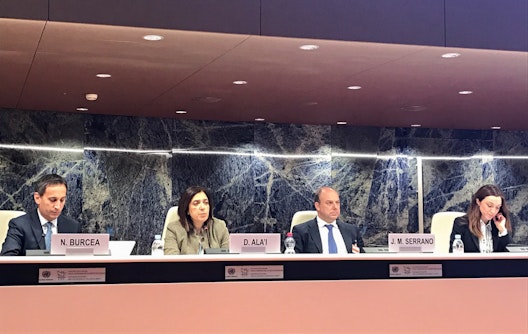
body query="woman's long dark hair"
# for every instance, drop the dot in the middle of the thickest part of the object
(474, 210)
(183, 207)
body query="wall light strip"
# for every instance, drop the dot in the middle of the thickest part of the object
(126, 150)
(41, 148)
(176, 151)
(488, 157)
(294, 156)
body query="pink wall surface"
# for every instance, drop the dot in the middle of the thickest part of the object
(487, 305)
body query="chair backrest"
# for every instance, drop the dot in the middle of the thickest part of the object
(5, 217)
(172, 214)
(302, 216)
(441, 227)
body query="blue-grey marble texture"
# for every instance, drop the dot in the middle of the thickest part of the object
(259, 174)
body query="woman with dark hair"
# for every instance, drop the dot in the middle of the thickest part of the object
(486, 227)
(195, 229)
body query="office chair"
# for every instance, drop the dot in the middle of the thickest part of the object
(5, 217)
(172, 214)
(441, 227)
(302, 216)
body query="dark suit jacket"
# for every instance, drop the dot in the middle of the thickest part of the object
(308, 239)
(25, 232)
(471, 242)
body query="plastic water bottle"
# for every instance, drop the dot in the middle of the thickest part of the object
(289, 242)
(458, 245)
(157, 246)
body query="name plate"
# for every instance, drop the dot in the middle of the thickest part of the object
(254, 272)
(411, 242)
(254, 242)
(79, 244)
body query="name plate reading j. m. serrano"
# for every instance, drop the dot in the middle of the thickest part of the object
(411, 242)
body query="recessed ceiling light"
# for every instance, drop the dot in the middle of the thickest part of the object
(495, 127)
(207, 99)
(416, 125)
(152, 37)
(82, 109)
(413, 108)
(341, 123)
(180, 111)
(91, 97)
(309, 47)
(451, 55)
(311, 103)
(259, 119)
(240, 82)
(354, 87)
(465, 92)
(103, 75)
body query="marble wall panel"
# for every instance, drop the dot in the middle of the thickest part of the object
(228, 177)
(128, 132)
(510, 143)
(357, 140)
(46, 142)
(295, 163)
(284, 186)
(392, 203)
(287, 139)
(41, 128)
(441, 142)
(511, 175)
(352, 179)
(126, 195)
(22, 168)
(449, 185)
(216, 136)
(259, 173)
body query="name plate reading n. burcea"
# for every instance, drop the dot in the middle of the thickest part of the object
(254, 272)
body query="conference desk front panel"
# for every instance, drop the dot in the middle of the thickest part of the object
(297, 267)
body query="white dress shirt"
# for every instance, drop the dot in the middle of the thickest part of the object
(323, 231)
(43, 222)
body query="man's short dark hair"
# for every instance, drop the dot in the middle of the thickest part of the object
(48, 180)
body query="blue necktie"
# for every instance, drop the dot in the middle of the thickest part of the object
(332, 246)
(49, 232)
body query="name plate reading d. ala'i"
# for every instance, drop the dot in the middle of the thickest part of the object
(254, 242)
(411, 242)
(79, 244)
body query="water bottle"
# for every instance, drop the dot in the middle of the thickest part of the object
(157, 246)
(289, 242)
(458, 245)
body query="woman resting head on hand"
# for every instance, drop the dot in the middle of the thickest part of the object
(486, 227)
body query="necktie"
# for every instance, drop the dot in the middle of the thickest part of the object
(332, 246)
(49, 232)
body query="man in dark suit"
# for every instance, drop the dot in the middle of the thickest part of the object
(325, 233)
(29, 231)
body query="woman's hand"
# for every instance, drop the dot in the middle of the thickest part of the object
(500, 222)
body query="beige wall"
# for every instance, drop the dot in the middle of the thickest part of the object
(489, 305)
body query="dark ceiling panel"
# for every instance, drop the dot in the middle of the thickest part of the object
(234, 16)
(24, 9)
(487, 24)
(385, 21)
